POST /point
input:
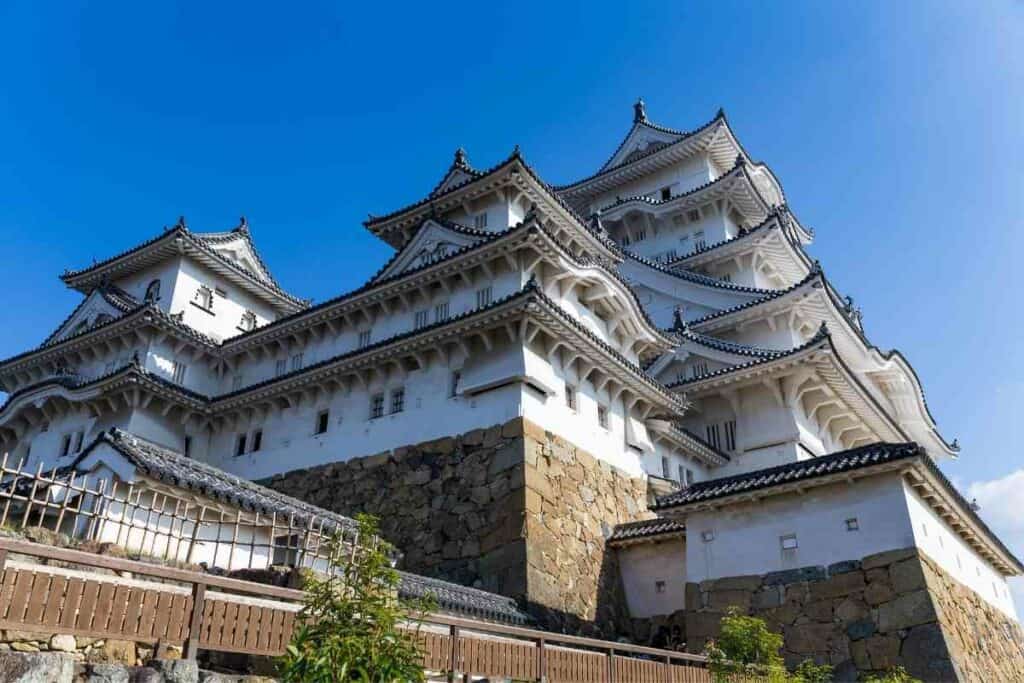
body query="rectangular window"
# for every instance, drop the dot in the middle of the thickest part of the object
(77, 445)
(441, 312)
(788, 542)
(693, 215)
(641, 235)
(421, 320)
(186, 446)
(483, 297)
(65, 445)
(689, 477)
(730, 434)
(204, 298)
(364, 339)
(376, 406)
(236, 382)
(699, 368)
(397, 400)
(322, 418)
(480, 221)
(665, 468)
(240, 445)
(257, 440)
(713, 435)
(178, 372)
(570, 396)
(296, 362)
(659, 586)
(852, 524)
(602, 416)
(280, 367)
(727, 277)
(453, 388)
(666, 194)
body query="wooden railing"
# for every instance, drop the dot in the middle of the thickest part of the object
(201, 611)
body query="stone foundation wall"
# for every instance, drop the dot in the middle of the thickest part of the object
(510, 509)
(889, 609)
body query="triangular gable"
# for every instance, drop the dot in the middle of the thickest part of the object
(432, 242)
(103, 459)
(94, 310)
(239, 250)
(453, 178)
(641, 139)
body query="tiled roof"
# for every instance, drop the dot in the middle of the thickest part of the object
(658, 526)
(472, 602)
(821, 335)
(844, 461)
(739, 167)
(113, 295)
(684, 135)
(202, 242)
(170, 467)
(697, 278)
(771, 294)
(726, 346)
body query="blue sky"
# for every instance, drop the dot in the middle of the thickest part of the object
(894, 127)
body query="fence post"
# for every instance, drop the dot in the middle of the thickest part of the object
(3, 559)
(542, 664)
(453, 672)
(192, 644)
(611, 665)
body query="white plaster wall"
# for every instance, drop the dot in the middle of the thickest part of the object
(935, 537)
(166, 272)
(227, 311)
(642, 566)
(681, 177)
(747, 537)
(667, 235)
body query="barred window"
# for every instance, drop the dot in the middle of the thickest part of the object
(398, 400)
(665, 472)
(570, 396)
(280, 367)
(178, 372)
(421, 319)
(602, 416)
(441, 312)
(483, 297)
(248, 322)
(693, 215)
(376, 406)
(713, 435)
(480, 221)
(240, 445)
(364, 339)
(730, 435)
(204, 298)
(257, 440)
(453, 387)
(296, 362)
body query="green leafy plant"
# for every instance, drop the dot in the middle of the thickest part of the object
(746, 647)
(897, 674)
(352, 621)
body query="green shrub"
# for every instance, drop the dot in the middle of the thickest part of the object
(745, 646)
(897, 674)
(350, 620)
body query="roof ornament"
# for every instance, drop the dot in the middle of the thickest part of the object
(515, 150)
(243, 225)
(532, 282)
(181, 223)
(639, 111)
(678, 323)
(595, 221)
(720, 114)
(955, 445)
(823, 329)
(460, 158)
(974, 502)
(740, 160)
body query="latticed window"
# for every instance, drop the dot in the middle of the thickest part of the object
(730, 435)
(480, 221)
(178, 372)
(640, 235)
(483, 297)
(280, 367)
(421, 319)
(714, 435)
(441, 312)
(693, 215)
(376, 406)
(364, 339)
(297, 362)
(398, 400)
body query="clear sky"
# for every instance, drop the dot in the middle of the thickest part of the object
(895, 129)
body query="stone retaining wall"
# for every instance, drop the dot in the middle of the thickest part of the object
(510, 509)
(889, 609)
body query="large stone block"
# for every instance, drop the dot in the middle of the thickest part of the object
(907, 575)
(787, 576)
(906, 611)
(43, 667)
(886, 558)
(839, 586)
(925, 655)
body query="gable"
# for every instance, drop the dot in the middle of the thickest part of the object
(94, 310)
(433, 242)
(640, 141)
(454, 178)
(240, 252)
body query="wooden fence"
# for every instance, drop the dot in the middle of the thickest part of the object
(104, 597)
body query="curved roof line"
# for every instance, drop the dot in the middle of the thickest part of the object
(113, 295)
(202, 242)
(696, 278)
(605, 168)
(772, 222)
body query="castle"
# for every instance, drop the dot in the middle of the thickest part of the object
(627, 398)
